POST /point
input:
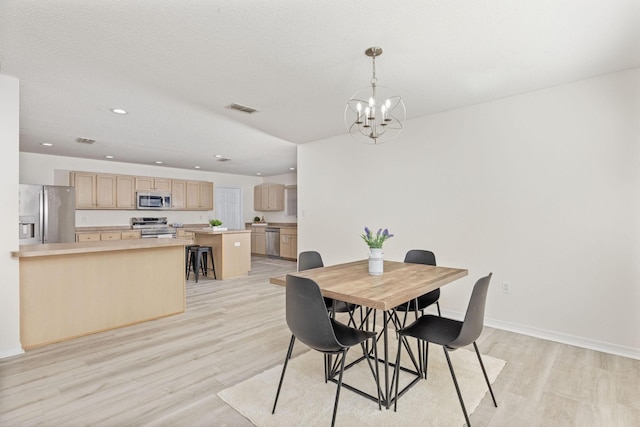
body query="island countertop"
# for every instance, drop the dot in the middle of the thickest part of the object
(51, 249)
(209, 230)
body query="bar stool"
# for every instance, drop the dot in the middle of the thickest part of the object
(198, 260)
(187, 259)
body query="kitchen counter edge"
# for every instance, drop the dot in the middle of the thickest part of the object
(51, 249)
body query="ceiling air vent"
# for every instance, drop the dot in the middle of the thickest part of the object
(85, 140)
(223, 159)
(243, 108)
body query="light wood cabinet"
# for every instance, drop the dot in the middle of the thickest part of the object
(110, 191)
(94, 191)
(184, 234)
(268, 197)
(111, 235)
(199, 195)
(144, 183)
(178, 194)
(105, 191)
(131, 235)
(258, 241)
(108, 235)
(85, 186)
(87, 237)
(289, 243)
(125, 192)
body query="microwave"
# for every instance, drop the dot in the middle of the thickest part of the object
(153, 200)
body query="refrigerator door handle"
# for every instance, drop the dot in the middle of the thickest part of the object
(44, 214)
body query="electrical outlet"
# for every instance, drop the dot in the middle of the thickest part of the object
(506, 287)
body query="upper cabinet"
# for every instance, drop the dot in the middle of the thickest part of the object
(125, 192)
(101, 191)
(178, 194)
(85, 184)
(144, 183)
(110, 191)
(268, 197)
(199, 195)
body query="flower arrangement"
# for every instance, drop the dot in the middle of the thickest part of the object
(215, 222)
(375, 240)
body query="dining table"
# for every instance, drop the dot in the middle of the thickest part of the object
(399, 283)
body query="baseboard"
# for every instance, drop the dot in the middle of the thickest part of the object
(11, 352)
(605, 347)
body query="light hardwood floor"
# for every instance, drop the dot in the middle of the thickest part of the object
(167, 372)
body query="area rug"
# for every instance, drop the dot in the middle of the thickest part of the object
(307, 400)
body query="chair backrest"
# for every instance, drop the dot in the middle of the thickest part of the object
(474, 317)
(308, 260)
(307, 315)
(420, 256)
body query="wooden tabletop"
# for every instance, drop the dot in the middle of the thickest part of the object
(400, 282)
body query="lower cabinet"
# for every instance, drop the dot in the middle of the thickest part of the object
(289, 243)
(258, 241)
(108, 235)
(184, 234)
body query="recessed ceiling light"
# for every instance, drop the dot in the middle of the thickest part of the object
(46, 144)
(217, 156)
(119, 111)
(292, 169)
(159, 162)
(258, 173)
(196, 167)
(108, 157)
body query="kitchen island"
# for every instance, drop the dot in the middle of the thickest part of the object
(69, 290)
(231, 250)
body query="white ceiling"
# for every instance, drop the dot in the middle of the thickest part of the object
(175, 65)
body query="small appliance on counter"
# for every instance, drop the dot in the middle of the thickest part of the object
(153, 227)
(47, 214)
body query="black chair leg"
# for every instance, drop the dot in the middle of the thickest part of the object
(438, 307)
(426, 358)
(335, 405)
(486, 378)
(455, 382)
(284, 368)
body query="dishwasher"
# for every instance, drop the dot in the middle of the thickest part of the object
(272, 236)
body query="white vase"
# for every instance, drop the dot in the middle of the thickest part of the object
(376, 262)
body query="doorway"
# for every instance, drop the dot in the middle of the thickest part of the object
(229, 207)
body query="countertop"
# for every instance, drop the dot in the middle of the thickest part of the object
(272, 225)
(99, 246)
(207, 230)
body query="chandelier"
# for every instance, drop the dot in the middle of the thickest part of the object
(374, 115)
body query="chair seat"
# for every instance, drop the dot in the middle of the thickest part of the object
(435, 329)
(348, 336)
(424, 301)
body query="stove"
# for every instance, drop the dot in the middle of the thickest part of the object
(153, 227)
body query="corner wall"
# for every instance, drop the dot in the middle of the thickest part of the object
(9, 287)
(542, 189)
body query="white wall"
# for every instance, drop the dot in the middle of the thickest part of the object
(9, 289)
(542, 189)
(45, 169)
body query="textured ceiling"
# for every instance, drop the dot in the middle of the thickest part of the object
(175, 65)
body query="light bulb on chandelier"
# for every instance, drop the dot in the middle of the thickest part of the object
(384, 113)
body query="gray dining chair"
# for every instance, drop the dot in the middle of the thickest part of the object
(309, 322)
(451, 335)
(312, 259)
(420, 256)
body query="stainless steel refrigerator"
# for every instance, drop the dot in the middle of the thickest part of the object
(47, 214)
